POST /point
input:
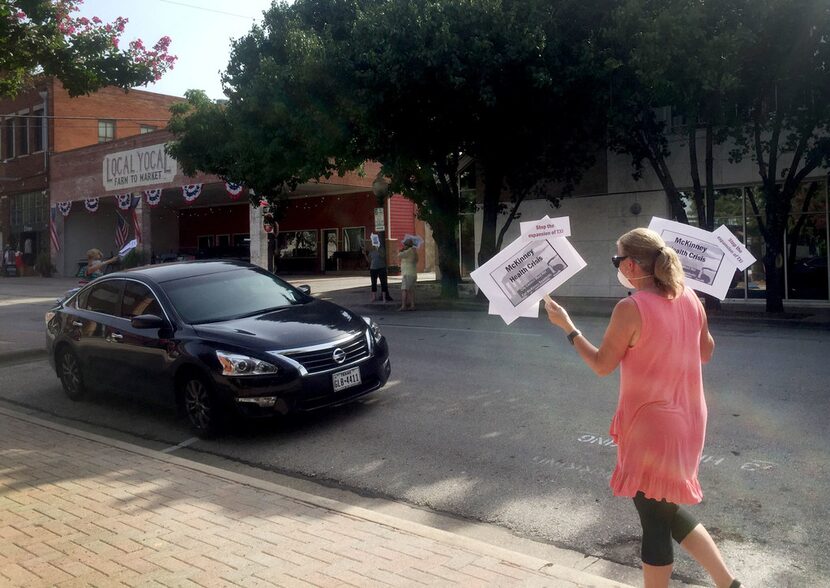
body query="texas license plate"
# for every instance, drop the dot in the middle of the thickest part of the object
(346, 379)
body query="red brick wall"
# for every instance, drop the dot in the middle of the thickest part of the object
(76, 174)
(214, 220)
(108, 103)
(329, 212)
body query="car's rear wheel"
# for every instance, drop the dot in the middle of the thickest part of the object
(201, 407)
(71, 376)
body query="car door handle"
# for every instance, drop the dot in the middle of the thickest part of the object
(78, 324)
(116, 337)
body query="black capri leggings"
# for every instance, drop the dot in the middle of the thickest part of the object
(661, 522)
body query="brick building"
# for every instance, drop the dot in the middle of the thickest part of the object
(322, 227)
(43, 121)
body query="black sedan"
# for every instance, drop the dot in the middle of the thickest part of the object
(222, 337)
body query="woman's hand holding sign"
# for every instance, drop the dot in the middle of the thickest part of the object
(558, 315)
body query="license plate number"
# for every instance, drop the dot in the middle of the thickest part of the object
(346, 379)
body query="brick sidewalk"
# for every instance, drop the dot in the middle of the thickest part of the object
(77, 509)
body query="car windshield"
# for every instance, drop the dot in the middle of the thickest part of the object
(229, 295)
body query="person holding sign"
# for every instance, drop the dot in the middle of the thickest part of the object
(409, 274)
(659, 337)
(94, 264)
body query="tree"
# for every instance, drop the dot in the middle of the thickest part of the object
(44, 37)
(669, 62)
(785, 97)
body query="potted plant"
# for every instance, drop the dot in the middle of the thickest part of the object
(135, 258)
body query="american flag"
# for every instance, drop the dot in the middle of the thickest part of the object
(122, 231)
(136, 220)
(53, 229)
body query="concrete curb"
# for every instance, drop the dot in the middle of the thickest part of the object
(551, 569)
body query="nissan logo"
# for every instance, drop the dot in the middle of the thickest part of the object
(339, 356)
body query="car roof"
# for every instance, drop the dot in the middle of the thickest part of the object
(164, 272)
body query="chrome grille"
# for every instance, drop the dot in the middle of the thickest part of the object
(321, 360)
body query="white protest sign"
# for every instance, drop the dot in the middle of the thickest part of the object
(532, 312)
(128, 247)
(375, 239)
(546, 227)
(729, 242)
(518, 276)
(708, 268)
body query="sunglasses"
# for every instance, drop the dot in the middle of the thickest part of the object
(616, 259)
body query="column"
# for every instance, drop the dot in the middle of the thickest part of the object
(259, 238)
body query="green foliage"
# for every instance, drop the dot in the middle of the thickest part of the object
(135, 258)
(44, 37)
(322, 85)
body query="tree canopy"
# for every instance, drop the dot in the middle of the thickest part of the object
(528, 89)
(322, 85)
(45, 37)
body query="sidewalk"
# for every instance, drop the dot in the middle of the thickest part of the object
(78, 509)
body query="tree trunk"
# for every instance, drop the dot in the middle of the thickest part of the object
(775, 279)
(446, 242)
(493, 181)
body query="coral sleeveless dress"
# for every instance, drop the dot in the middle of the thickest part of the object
(660, 423)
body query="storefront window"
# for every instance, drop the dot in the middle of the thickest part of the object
(28, 210)
(756, 279)
(353, 238)
(806, 251)
(296, 244)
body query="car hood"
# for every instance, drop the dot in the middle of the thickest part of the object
(313, 323)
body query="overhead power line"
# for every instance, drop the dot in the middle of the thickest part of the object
(193, 6)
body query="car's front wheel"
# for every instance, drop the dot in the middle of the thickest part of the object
(71, 376)
(201, 407)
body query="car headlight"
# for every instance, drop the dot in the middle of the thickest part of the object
(234, 364)
(373, 326)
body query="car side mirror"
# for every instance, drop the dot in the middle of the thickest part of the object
(147, 321)
(305, 289)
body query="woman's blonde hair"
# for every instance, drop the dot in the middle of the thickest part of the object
(94, 253)
(648, 249)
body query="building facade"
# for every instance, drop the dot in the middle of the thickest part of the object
(44, 121)
(610, 202)
(129, 188)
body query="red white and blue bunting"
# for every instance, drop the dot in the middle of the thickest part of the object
(91, 204)
(233, 190)
(191, 192)
(65, 207)
(153, 197)
(124, 201)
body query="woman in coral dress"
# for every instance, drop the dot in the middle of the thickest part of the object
(659, 337)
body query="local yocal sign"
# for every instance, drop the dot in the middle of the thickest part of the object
(138, 167)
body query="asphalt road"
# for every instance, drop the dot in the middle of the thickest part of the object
(506, 425)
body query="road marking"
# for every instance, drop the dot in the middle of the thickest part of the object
(384, 325)
(181, 445)
(16, 301)
(590, 439)
(757, 465)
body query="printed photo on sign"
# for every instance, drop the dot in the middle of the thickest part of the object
(517, 277)
(546, 227)
(522, 277)
(707, 267)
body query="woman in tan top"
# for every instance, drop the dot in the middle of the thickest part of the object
(409, 274)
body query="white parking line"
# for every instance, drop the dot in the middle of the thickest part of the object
(181, 445)
(385, 325)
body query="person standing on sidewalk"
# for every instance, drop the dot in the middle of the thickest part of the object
(377, 271)
(660, 338)
(95, 263)
(409, 274)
